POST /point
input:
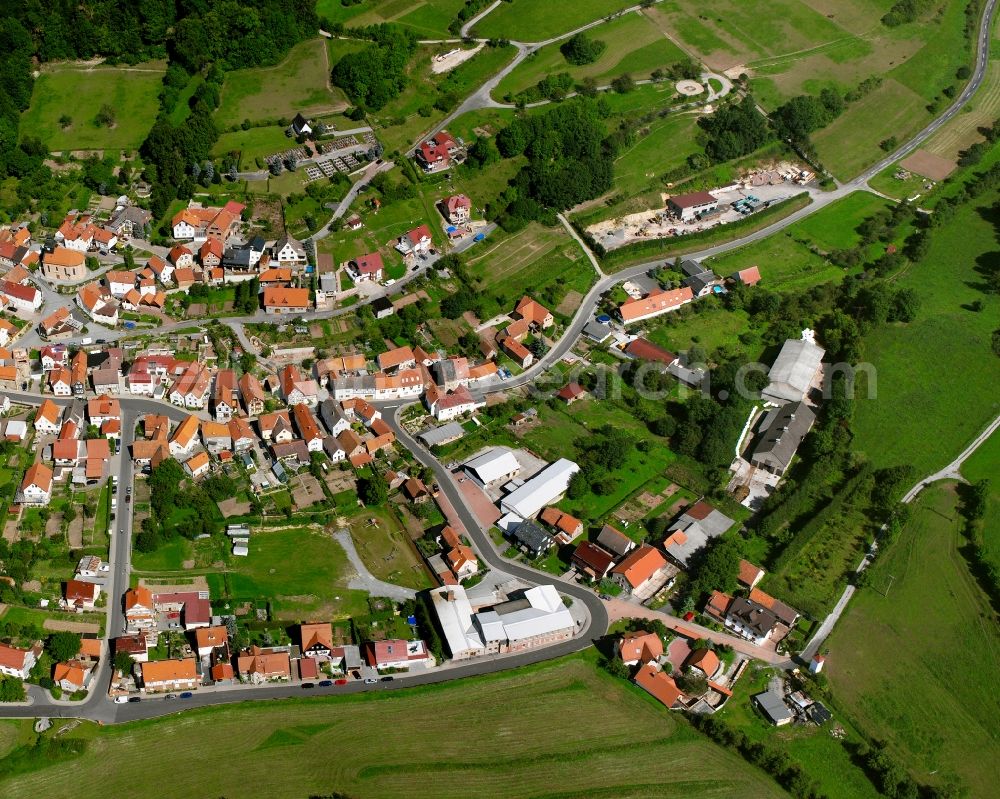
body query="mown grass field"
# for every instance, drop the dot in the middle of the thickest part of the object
(634, 46)
(299, 83)
(895, 660)
(661, 146)
(427, 18)
(911, 399)
(787, 261)
(538, 20)
(560, 729)
(985, 465)
(386, 550)
(79, 92)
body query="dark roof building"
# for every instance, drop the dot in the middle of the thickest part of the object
(781, 433)
(533, 538)
(592, 560)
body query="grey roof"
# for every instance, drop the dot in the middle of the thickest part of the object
(774, 707)
(382, 304)
(442, 435)
(530, 535)
(598, 331)
(615, 541)
(237, 257)
(793, 371)
(699, 282)
(781, 432)
(541, 490)
(331, 413)
(698, 532)
(294, 243)
(493, 465)
(818, 713)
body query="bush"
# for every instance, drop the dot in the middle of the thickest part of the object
(581, 49)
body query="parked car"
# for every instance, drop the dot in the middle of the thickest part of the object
(135, 699)
(170, 696)
(121, 700)
(341, 681)
(325, 683)
(388, 679)
(370, 681)
(308, 685)
(186, 695)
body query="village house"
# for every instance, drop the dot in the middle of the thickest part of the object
(297, 389)
(567, 527)
(252, 394)
(224, 395)
(241, 434)
(458, 209)
(17, 662)
(162, 676)
(436, 154)
(257, 665)
(593, 561)
(367, 267)
(692, 531)
(289, 252)
(640, 647)
(395, 653)
(190, 389)
(517, 352)
(316, 640)
(48, 418)
(653, 304)
(447, 405)
(208, 639)
(640, 570)
(198, 224)
(79, 596)
(794, 371)
(399, 358)
(140, 611)
(308, 428)
(96, 301)
(215, 436)
(119, 282)
(64, 264)
(615, 541)
(185, 436)
(72, 676)
(416, 242)
(748, 277)
(36, 487)
(280, 300)
(21, 297)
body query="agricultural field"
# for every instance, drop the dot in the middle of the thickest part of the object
(787, 259)
(930, 622)
(300, 83)
(426, 18)
(985, 465)
(791, 47)
(534, 718)
(540, 20)
(79, 92)
(892, 429)
(634, 46)
(545, 262)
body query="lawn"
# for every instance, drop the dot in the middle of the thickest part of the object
(824, 758)
(538, 20)
(386, 549)
(560, 727)
(911, 397)
(659, 147)
(634, 45)
(382, 229)
(301, 572)
(787, 261)
(985, 465)
(894, 659)
(253, 144)
(300, 83)
(80, 92)
(427, 18)
(711, 327)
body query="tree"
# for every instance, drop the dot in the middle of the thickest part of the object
(123, 662)
(64, 646)
(105, 116)
(578, 486)
(623, 84)
(715, 567)
(374, 490)
(616, 668)
(692, 683)
(65, 121)
(11, 690)
(581, 49)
